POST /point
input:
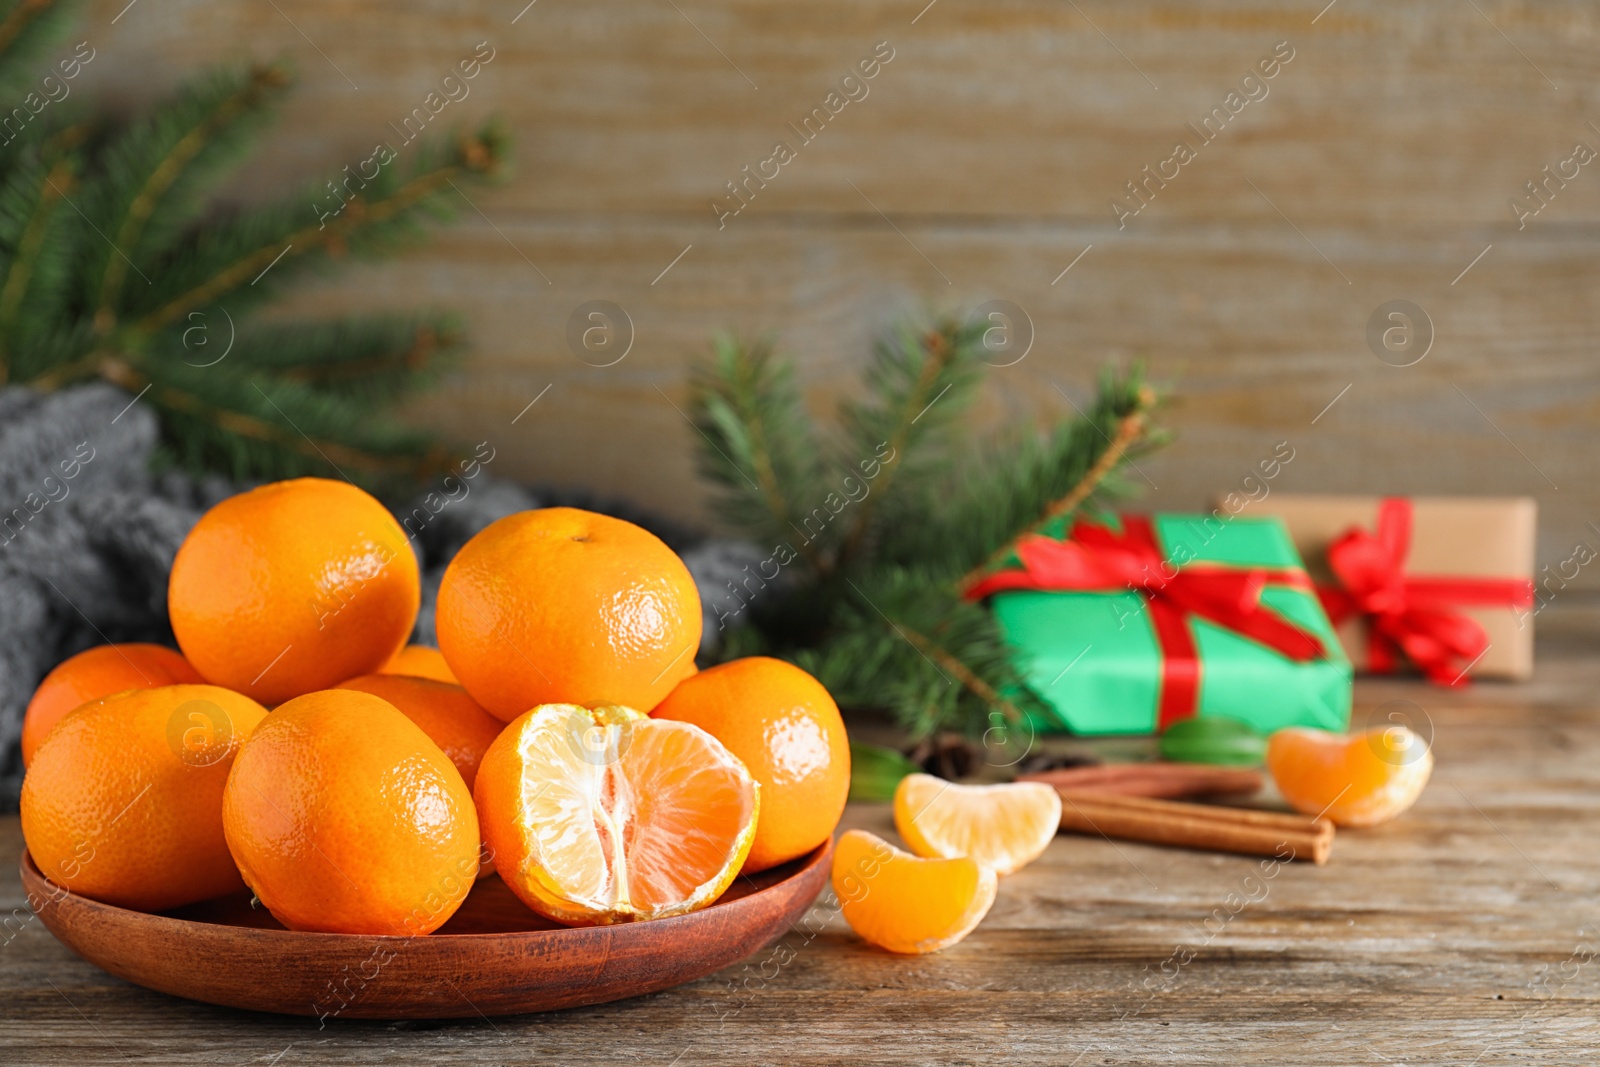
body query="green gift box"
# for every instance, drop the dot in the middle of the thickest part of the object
(1128, 626)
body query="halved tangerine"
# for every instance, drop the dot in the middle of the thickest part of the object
(905, 904)
(1004, 827)
(1358, 780)
(605, 815)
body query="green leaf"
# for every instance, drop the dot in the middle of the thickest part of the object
(875, 771)
(1214, 739)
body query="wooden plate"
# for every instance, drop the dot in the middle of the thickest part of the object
(494, 956)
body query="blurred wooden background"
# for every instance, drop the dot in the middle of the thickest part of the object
(982, 162)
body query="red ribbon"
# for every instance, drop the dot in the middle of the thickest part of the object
(1098, 559)
(1411, 615)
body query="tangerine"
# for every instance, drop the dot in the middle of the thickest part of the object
(123, 801)
(420, 661)
(787, 730)
(905, 904)
(451, 719)
(563, 606)
(94, 673)
(606, 815)
(344, 818)
(1004, 827)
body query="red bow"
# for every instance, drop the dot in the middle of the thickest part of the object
(1414, 616)
(1097, 559)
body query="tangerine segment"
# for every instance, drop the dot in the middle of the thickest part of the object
(606, 815)
(98, 672)
(905, 904)
(1353, 781)
(1003, 827)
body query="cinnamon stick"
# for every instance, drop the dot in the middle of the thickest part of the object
(1162, 780)
(1167, 822)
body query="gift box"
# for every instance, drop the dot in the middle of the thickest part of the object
(1132, 624)
(1439, 584)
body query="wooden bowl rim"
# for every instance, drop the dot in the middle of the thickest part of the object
(33, 878)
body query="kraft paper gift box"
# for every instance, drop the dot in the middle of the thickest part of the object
(1130, 625)
(1445, 583)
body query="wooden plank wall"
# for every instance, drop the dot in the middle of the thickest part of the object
(1378, 163)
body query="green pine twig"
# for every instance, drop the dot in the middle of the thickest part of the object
(89, 208)
(1131, 427)
(30, 246)
(156, 156)
(918, 389)
(763, 454)
(883, 621)
(360, 214)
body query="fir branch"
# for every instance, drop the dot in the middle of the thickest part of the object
(30, 247)
(1130, 428)
(303, 242)
(326, 450)
(373, 360)
(979, 688)
(886, 625)
(145, 166)
(903, 637)
(86, 365)
(937, 356)
(354, 349)
(281, 399)
(749, 410)
(908, 380)
(18, 18)
(26, 28)
(760, 429)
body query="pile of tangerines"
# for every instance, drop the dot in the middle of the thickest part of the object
(560, 735)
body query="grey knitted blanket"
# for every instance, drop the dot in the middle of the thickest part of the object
(88, 534)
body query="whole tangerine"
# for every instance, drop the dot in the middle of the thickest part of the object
(787, 729)
(563, 606)
(123, 801)
(344, 818)
(445, 712)
(94, 673)
(293, 587)
(419, 661)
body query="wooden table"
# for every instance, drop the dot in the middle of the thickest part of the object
(1460, 934)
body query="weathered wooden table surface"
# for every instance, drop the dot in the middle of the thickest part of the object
(1461, 934)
